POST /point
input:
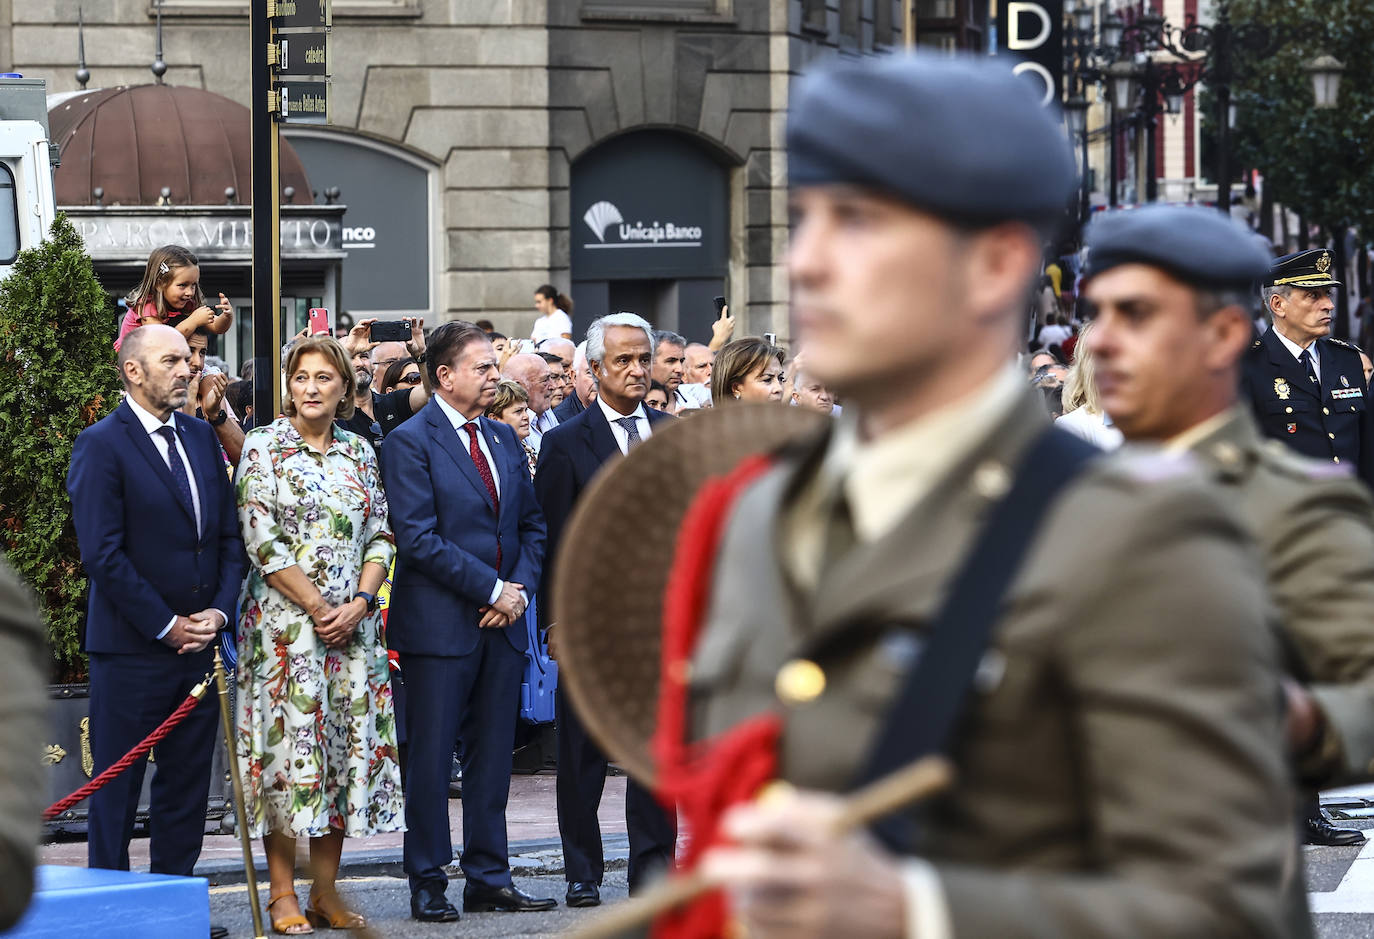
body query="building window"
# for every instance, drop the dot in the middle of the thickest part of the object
(849, 19)
(935, 10)
(813, 15)
(883, 20)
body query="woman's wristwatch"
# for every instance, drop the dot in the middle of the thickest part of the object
(369, 598)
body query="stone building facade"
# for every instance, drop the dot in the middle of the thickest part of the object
(491, 111)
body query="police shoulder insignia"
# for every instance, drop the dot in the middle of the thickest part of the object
(1341, 342)
(1258, 343)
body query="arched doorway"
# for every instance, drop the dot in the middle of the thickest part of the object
(650, 230)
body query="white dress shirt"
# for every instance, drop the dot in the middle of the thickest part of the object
(543, 423)
(459, 422)
(1296, 350)
(622, 436)
(152, 425)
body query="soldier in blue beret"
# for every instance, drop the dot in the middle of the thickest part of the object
(1308, 389)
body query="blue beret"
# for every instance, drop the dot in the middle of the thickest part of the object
(1199, 246)
(963, 139)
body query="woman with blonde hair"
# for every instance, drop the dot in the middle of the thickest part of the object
(315, 720)
(512, 406)
(1083, 414)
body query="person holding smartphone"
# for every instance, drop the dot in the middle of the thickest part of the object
(377, 414)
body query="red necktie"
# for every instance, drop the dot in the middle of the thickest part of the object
(484, 470)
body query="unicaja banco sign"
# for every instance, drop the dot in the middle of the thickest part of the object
(612, 231)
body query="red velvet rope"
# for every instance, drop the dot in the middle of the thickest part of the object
(165, 728)
(707, 778)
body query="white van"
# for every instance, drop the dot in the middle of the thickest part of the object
(27, 203)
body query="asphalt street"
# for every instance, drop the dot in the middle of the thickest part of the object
(385, 900)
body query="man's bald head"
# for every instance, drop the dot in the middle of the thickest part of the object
(700, 360)
(532, 373)
(138, 345)
(563, 348)
(155, 365)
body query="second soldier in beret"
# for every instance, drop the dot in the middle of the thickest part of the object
(1119, 758)
(1169, 292)
(1306, 388)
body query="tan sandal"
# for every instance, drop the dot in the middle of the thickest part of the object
(289, 925)
(327, 910)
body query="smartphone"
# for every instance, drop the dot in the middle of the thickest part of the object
(771, 338)
(319, 321)
(391, 331)
(720, 304)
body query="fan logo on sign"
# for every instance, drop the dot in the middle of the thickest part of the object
(603, 218)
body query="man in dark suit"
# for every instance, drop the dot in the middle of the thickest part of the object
(620, 354)
(469, 539)
(1307, 389)
(159, 536)
(583, 390)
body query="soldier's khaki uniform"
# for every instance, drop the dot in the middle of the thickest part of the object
(1315, 528)
(1119, 769)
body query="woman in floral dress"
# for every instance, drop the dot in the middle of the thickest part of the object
(316, 726)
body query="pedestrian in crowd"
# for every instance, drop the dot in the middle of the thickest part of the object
(1041, 359)
(159, 536)
(487, 327)
(498, 342)
(1120, 768)
(700, 358)
(561, 381)
(583, 387)
(1306, 388)
(205, 398)
(239, 394)
(1082, 404)
(1174, 379)
(169, 294)
(722, 329)
(315, 721)
(471, 543)
(670, 367)
(510, 406)
(620, 348)
(1056, 332)
(375, 414)
(808, 392)
(563, 348)
(24, 666)
(747, 370)
(402, 375)
(532, 372)
(657, 398)
(555, 315)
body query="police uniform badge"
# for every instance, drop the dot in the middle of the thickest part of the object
(1323, 262)
(1292, 428)
(1345, 381)
(1281, 389)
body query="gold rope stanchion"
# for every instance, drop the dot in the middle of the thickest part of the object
(240, 811)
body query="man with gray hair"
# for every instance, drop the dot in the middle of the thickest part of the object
(670, 370)
(620, 352)
(530, 371)
(583, 386)
(1306, 388)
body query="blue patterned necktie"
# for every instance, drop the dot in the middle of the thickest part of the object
(183, 483)
(631, 427)
(1307, 364)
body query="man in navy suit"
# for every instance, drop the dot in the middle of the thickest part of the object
(582, 388)
(469, 539)
(159, 535)
(620, 353)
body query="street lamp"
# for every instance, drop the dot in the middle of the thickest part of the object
(1076, 115)
(1112, 28)
(1326, 80)
(1122, 76)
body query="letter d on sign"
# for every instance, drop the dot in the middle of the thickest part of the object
(1014, 12)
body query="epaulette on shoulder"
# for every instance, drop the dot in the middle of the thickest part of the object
(1341, 342)
(1283, 459)
(1257, 343)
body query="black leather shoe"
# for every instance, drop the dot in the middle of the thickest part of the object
(583, 893)
(219, 932)
(1317, 829)
(428, 904)
(504, 900)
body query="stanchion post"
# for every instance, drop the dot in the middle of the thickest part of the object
(240, 811)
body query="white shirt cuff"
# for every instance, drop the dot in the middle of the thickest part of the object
(224, 620)
(168, 628)
(927, 913)
(496, 591)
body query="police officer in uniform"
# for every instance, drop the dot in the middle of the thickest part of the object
(1168, 290)
(1118, 751)
(1306, 388)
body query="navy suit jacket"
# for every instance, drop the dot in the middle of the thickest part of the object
(145, 560)
(447, 533)
(570, 408)
(570, 455)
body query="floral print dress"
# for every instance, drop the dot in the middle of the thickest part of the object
(316, 726)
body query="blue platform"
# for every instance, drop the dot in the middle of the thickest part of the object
(79, 901)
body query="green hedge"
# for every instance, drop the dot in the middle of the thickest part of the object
(57, 376)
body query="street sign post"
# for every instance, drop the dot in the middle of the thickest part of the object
(290, 40)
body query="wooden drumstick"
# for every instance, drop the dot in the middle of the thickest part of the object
(921, 780)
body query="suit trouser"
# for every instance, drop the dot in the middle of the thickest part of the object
(475, 697)
(130, 696)
(581, 780)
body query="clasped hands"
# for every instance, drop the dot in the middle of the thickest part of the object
(335, 625)
(509, 607)
(193, 633)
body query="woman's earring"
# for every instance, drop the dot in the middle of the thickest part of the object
(736, 395)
